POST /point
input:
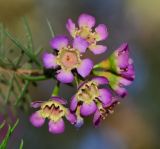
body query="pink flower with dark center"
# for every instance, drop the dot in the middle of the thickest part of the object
(118, 69)
(68, 58)
(117, 83)
(120, 63)
(91, 99)
(54, 110)
(85, 30)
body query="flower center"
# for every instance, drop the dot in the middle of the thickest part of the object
(68, 58)
(86, 33)
(88, 92)
(52, 110)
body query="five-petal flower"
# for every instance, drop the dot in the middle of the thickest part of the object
(68, 58)
(54, 110)
(118, 69)
(85, 30)
(91, 99)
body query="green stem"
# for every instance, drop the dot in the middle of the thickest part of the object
(96, 66)
(77, 80)
(56, 89)
(35, 78)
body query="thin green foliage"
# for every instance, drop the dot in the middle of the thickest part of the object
(50, 28)
(28, 34)
(27, 51)
(21, 145)
(2, 38)
(8, 135)
(23, 91)
(10, 88)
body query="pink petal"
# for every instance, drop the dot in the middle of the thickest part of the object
(86, 20)
(102, 32)
(73, 104)
(105, 97)
(121, 91)
(124, 81)
(71, 117)
(65, 76)
(56, 127)
(88, 109)
(49, 60)
(98, 49)
(122, 55)
(36, 119)
(36, 104)
(85, 67)
(80, 44)
(59, 42)
(70, 25)
(96, 118)
(100, 80)
(59, 99)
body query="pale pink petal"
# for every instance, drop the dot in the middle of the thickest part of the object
(88, 108)
(85, 67)
(56, 127)
(59, 42)
(36, 119)
(102, 32)
(100, 80)
(97, 118)
(70, 25)
(36, 104)
(80, 44)
(86, 20)
(73, 104)
(65, 76)
(49, 60)
(70, 117)
(59, 99)
(105, 97)
(98, 49)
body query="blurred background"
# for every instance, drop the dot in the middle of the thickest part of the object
(135, 123)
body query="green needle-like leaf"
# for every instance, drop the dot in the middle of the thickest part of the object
(2, 38)
(21, 145)
(28, 33)
(50, 28)
(20, 46)
(38, 51)
(23, 91)
(10, 88)
(32, 78)
(3, 145)
(2, 125)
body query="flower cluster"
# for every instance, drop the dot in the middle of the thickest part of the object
(98, 85)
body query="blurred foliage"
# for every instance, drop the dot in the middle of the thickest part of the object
(18, 72)
(8, 135)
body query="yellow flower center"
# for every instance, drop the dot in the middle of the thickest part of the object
(52, 110)
(68, 58)
(87, 33)
(88, 92)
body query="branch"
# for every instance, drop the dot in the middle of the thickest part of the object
(31, 72)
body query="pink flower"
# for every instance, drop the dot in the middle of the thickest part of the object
(91, 99)
(118, 69)
(68, 58)
(54, 110)
(85, 30)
